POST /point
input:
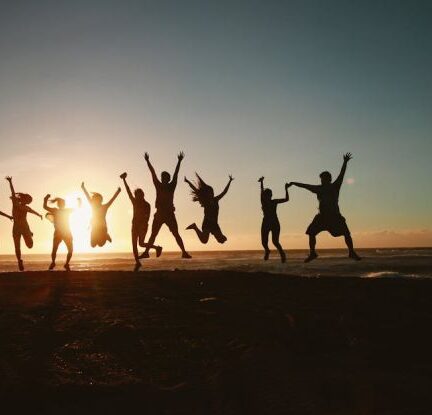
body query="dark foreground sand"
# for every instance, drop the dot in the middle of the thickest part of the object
(196, 342)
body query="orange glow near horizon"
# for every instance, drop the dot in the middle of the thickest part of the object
(79, 222)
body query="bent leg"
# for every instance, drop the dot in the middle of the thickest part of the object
(156, 226)
(203, 235)
(28, 239)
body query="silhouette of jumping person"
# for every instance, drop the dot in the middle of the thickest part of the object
(60, 218)
(270, 221)
(140, 221)
(99, 229)
(165, 209)
(204, 194)
(329, 217)
(21, 228)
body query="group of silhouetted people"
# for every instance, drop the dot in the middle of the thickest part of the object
(328, 219)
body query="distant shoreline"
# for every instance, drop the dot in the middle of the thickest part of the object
(216, 251)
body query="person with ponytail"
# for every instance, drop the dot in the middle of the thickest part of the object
(99, 229)
(204, 194)
(270, 221)
(62, 233)
(21, 228)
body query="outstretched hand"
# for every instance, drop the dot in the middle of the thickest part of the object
(47, 197)
(347, 157)
(180, 156)
(8, 178)
(123, 176)
(146, 156)
(82, 185)
(261, 179)
(231, 178)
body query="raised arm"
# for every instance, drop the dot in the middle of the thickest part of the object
(87, 195)
(191, 185)
(33, 212)
(286, 198)
(128, 190)
(6, 215)
(152, 170)
(45, 204)
(261, 181)
(9, 179)
(311, 187)
(180, 157)
(346, 158)
(111, 201)
(224, 192)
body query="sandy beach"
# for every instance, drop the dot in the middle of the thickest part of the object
(195, 342)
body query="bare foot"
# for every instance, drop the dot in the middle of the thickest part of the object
(311, 257)
(354, 256)
(145, 254)
(158, 251)
(52, 266)
(266, 255)
(21, 265)
(185, 255)
(66, 267)
(137, 266)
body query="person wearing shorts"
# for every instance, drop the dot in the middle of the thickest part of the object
(329, 217)
(165, 210)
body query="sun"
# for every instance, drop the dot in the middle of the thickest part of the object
(79, 221)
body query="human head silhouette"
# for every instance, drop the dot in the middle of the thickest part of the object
(24, 198)
(60, 202)
(267, 194)
(97, 198)
(165, 177)
(139, 194)
(325, 177)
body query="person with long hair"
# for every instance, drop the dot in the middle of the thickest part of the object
(99, 229)
(204, 194)
(21, 228)
(59, 216)
(270, 221)
(140, 221)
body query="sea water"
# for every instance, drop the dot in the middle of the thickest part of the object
(376, 263)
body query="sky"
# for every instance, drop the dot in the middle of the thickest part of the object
(249, 88)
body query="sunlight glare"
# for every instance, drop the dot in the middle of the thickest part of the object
(79, 222)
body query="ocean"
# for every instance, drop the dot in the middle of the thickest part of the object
(376, 263)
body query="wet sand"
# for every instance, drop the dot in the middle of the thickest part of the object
(207, 342)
